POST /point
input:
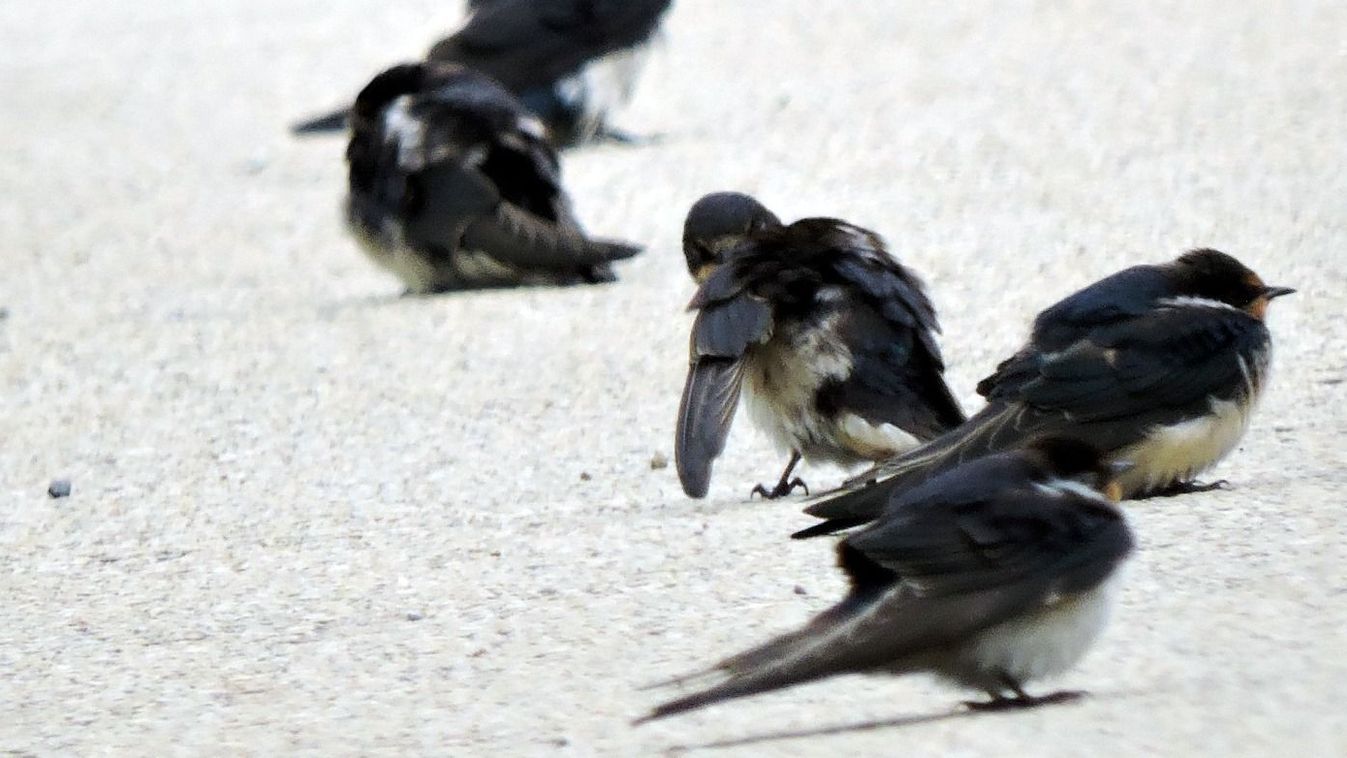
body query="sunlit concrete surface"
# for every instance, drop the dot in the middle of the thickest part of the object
(309, 516)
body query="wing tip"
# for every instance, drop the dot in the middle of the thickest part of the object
(831, 526)
(691, 460)
(703, 425)
(695, 483)
(614, 250)
(691, 702)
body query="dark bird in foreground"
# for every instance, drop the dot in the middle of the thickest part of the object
(833, 339)
(990, 575)
(452, 186)
(1158, 365)
(572, 62)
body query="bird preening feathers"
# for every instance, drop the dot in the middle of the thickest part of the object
(989, 575)
(1158, 365)
(831, 339)
(451, 185)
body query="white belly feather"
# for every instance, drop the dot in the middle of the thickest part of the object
(780, 385)
(782, 377)
(603, 86)
(1181, 451)
(1047, 642)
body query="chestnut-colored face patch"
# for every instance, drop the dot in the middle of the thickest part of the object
(1258, 306)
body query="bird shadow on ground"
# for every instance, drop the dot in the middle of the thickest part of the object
(862, 726)
(866, 726)
(334, 308)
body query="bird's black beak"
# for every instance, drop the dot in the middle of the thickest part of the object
(1272, 293)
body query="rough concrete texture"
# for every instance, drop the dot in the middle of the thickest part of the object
(309, 516)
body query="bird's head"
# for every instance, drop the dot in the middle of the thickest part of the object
(715, 224)
(1214, 275)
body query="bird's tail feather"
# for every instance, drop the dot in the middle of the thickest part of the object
(518, 238)
(863, 497)
(328, 122)
(770, 675)
(800, 656)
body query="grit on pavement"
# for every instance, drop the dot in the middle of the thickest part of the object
(311, 516)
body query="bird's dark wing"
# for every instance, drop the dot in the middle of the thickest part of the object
(444, 199)
(1159, 368)
(894, 379)
(933, 576)
(890, 327)
(860, 634)
(967, 487)
(1007, 540)
(1124, 295)
(516, 237)
(531, 43)
(866, 495)
(721, 334)
(1011, 373)
(710, 398)
(1165, 363)
(896, 291)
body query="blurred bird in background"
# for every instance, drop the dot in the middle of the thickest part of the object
(834, 340)
(452, 185)
(573, 63)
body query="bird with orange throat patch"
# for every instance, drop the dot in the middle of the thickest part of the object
(1158, 365)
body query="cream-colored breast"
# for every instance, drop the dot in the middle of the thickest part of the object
(1046, 642)
(1179, 452)
(782, 377)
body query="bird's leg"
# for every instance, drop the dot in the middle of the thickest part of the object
(785, 485)
(1021, 699)
(1186, 488)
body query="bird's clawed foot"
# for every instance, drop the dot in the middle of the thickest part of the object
(781, 489)
(1188, 488)
(1020, 701)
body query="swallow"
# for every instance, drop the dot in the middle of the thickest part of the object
(573, 63)
(1159, 365)
(833, 340)
(453, 186)
(989, 575)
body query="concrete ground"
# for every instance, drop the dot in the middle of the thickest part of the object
(311, 517)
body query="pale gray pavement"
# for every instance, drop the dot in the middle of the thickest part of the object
(310, 517)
